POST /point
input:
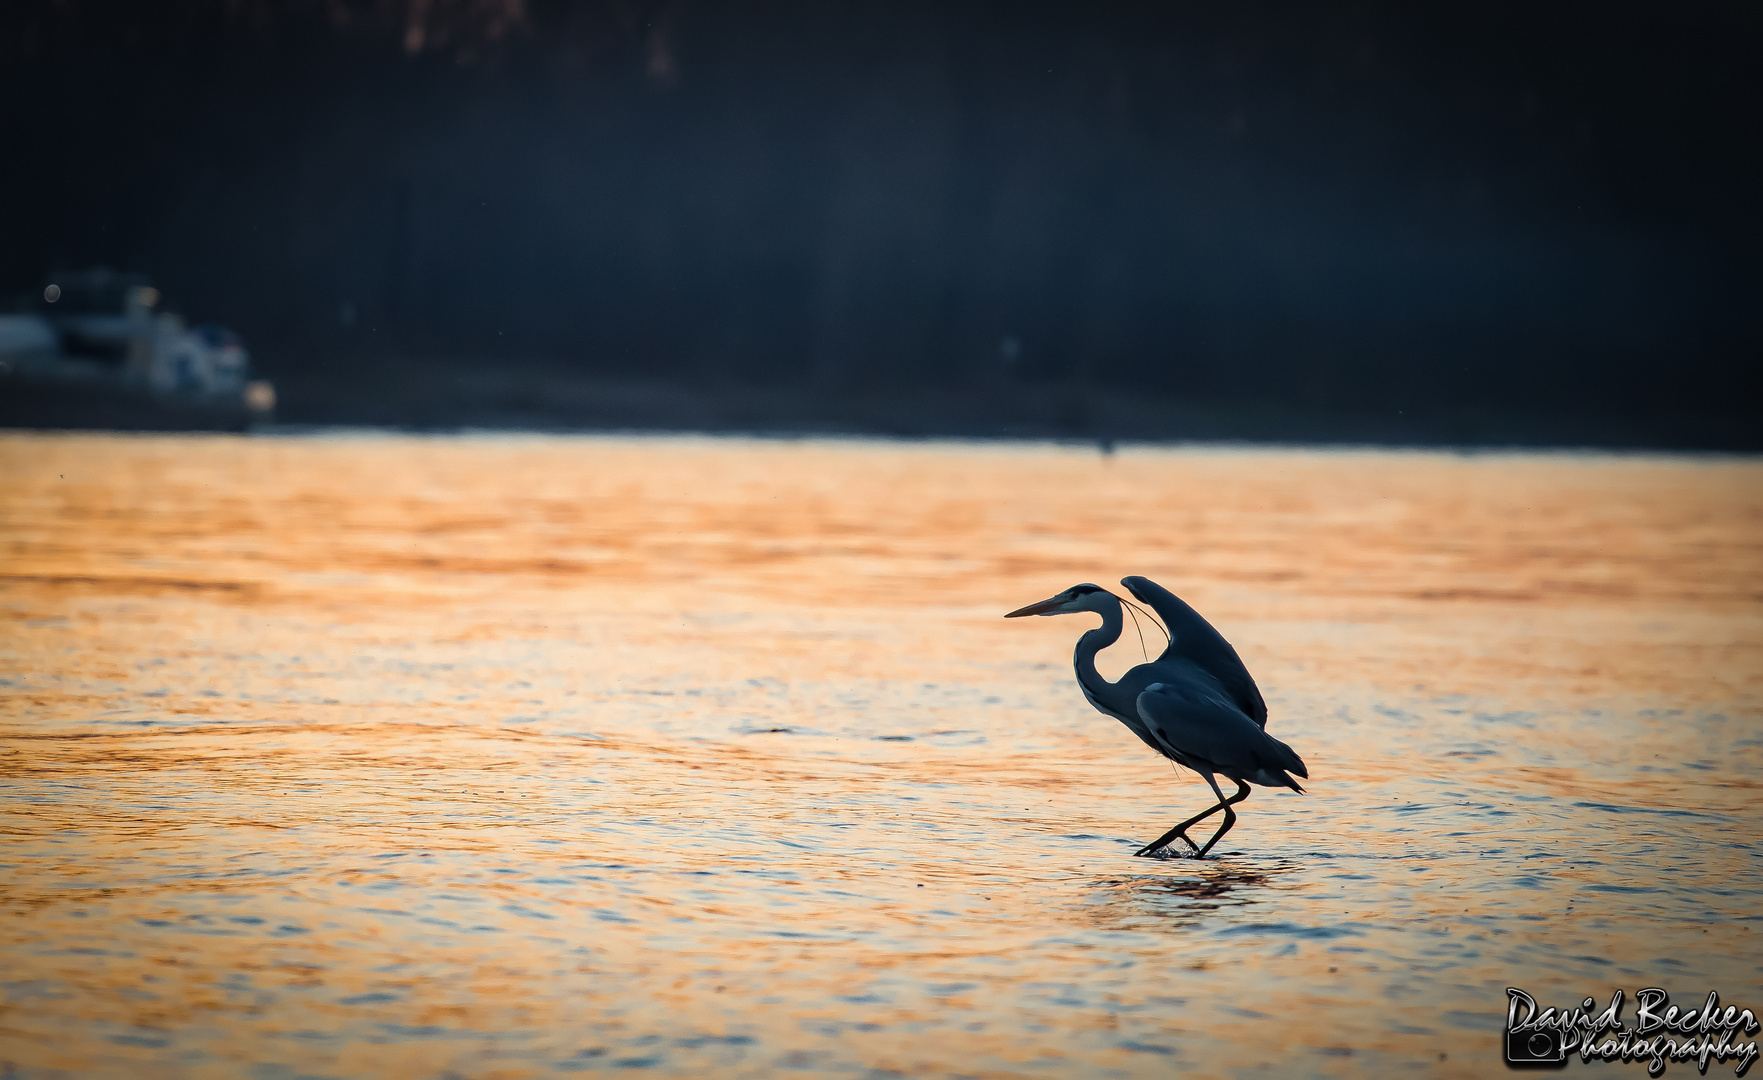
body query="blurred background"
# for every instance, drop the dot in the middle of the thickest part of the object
(1379, 221)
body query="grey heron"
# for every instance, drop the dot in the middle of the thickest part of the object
(1196, 704)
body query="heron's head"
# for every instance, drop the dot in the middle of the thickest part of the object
(1077, 598)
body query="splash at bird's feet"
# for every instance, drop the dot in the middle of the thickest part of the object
(1167, 852)
(1162, 848)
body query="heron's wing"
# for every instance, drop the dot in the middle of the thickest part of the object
(1193, 715)
(1191, 637)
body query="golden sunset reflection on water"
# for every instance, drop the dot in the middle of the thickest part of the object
(365, 755)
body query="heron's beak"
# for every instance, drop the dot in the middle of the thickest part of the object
(1050, 606)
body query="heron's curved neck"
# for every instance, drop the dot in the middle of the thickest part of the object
(1093, 642)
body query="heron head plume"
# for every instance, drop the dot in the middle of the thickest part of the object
(1084, 597)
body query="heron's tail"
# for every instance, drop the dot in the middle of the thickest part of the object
(1289, 759)
(1291, 763)
(1273, 776)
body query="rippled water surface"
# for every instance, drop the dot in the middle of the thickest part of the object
(366, 756)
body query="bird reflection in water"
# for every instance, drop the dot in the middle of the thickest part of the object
(1144, 902)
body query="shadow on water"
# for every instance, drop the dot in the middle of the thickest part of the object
(1150, 902)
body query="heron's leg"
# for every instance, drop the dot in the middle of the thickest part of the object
(1230, 816)
(1181, 831)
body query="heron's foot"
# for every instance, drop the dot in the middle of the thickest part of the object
(1169, 852)
(1162, 850)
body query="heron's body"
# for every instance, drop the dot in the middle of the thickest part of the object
(1196, 704)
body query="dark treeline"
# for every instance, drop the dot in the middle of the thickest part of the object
(1314, 207)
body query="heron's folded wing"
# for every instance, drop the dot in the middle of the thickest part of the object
(1191, 637)
(1194, 716)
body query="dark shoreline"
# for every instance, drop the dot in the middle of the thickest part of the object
(539, 400)
(1105, 420)
(439, 398)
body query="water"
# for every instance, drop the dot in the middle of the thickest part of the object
(373, 756)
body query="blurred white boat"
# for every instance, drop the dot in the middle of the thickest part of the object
(96, 351)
